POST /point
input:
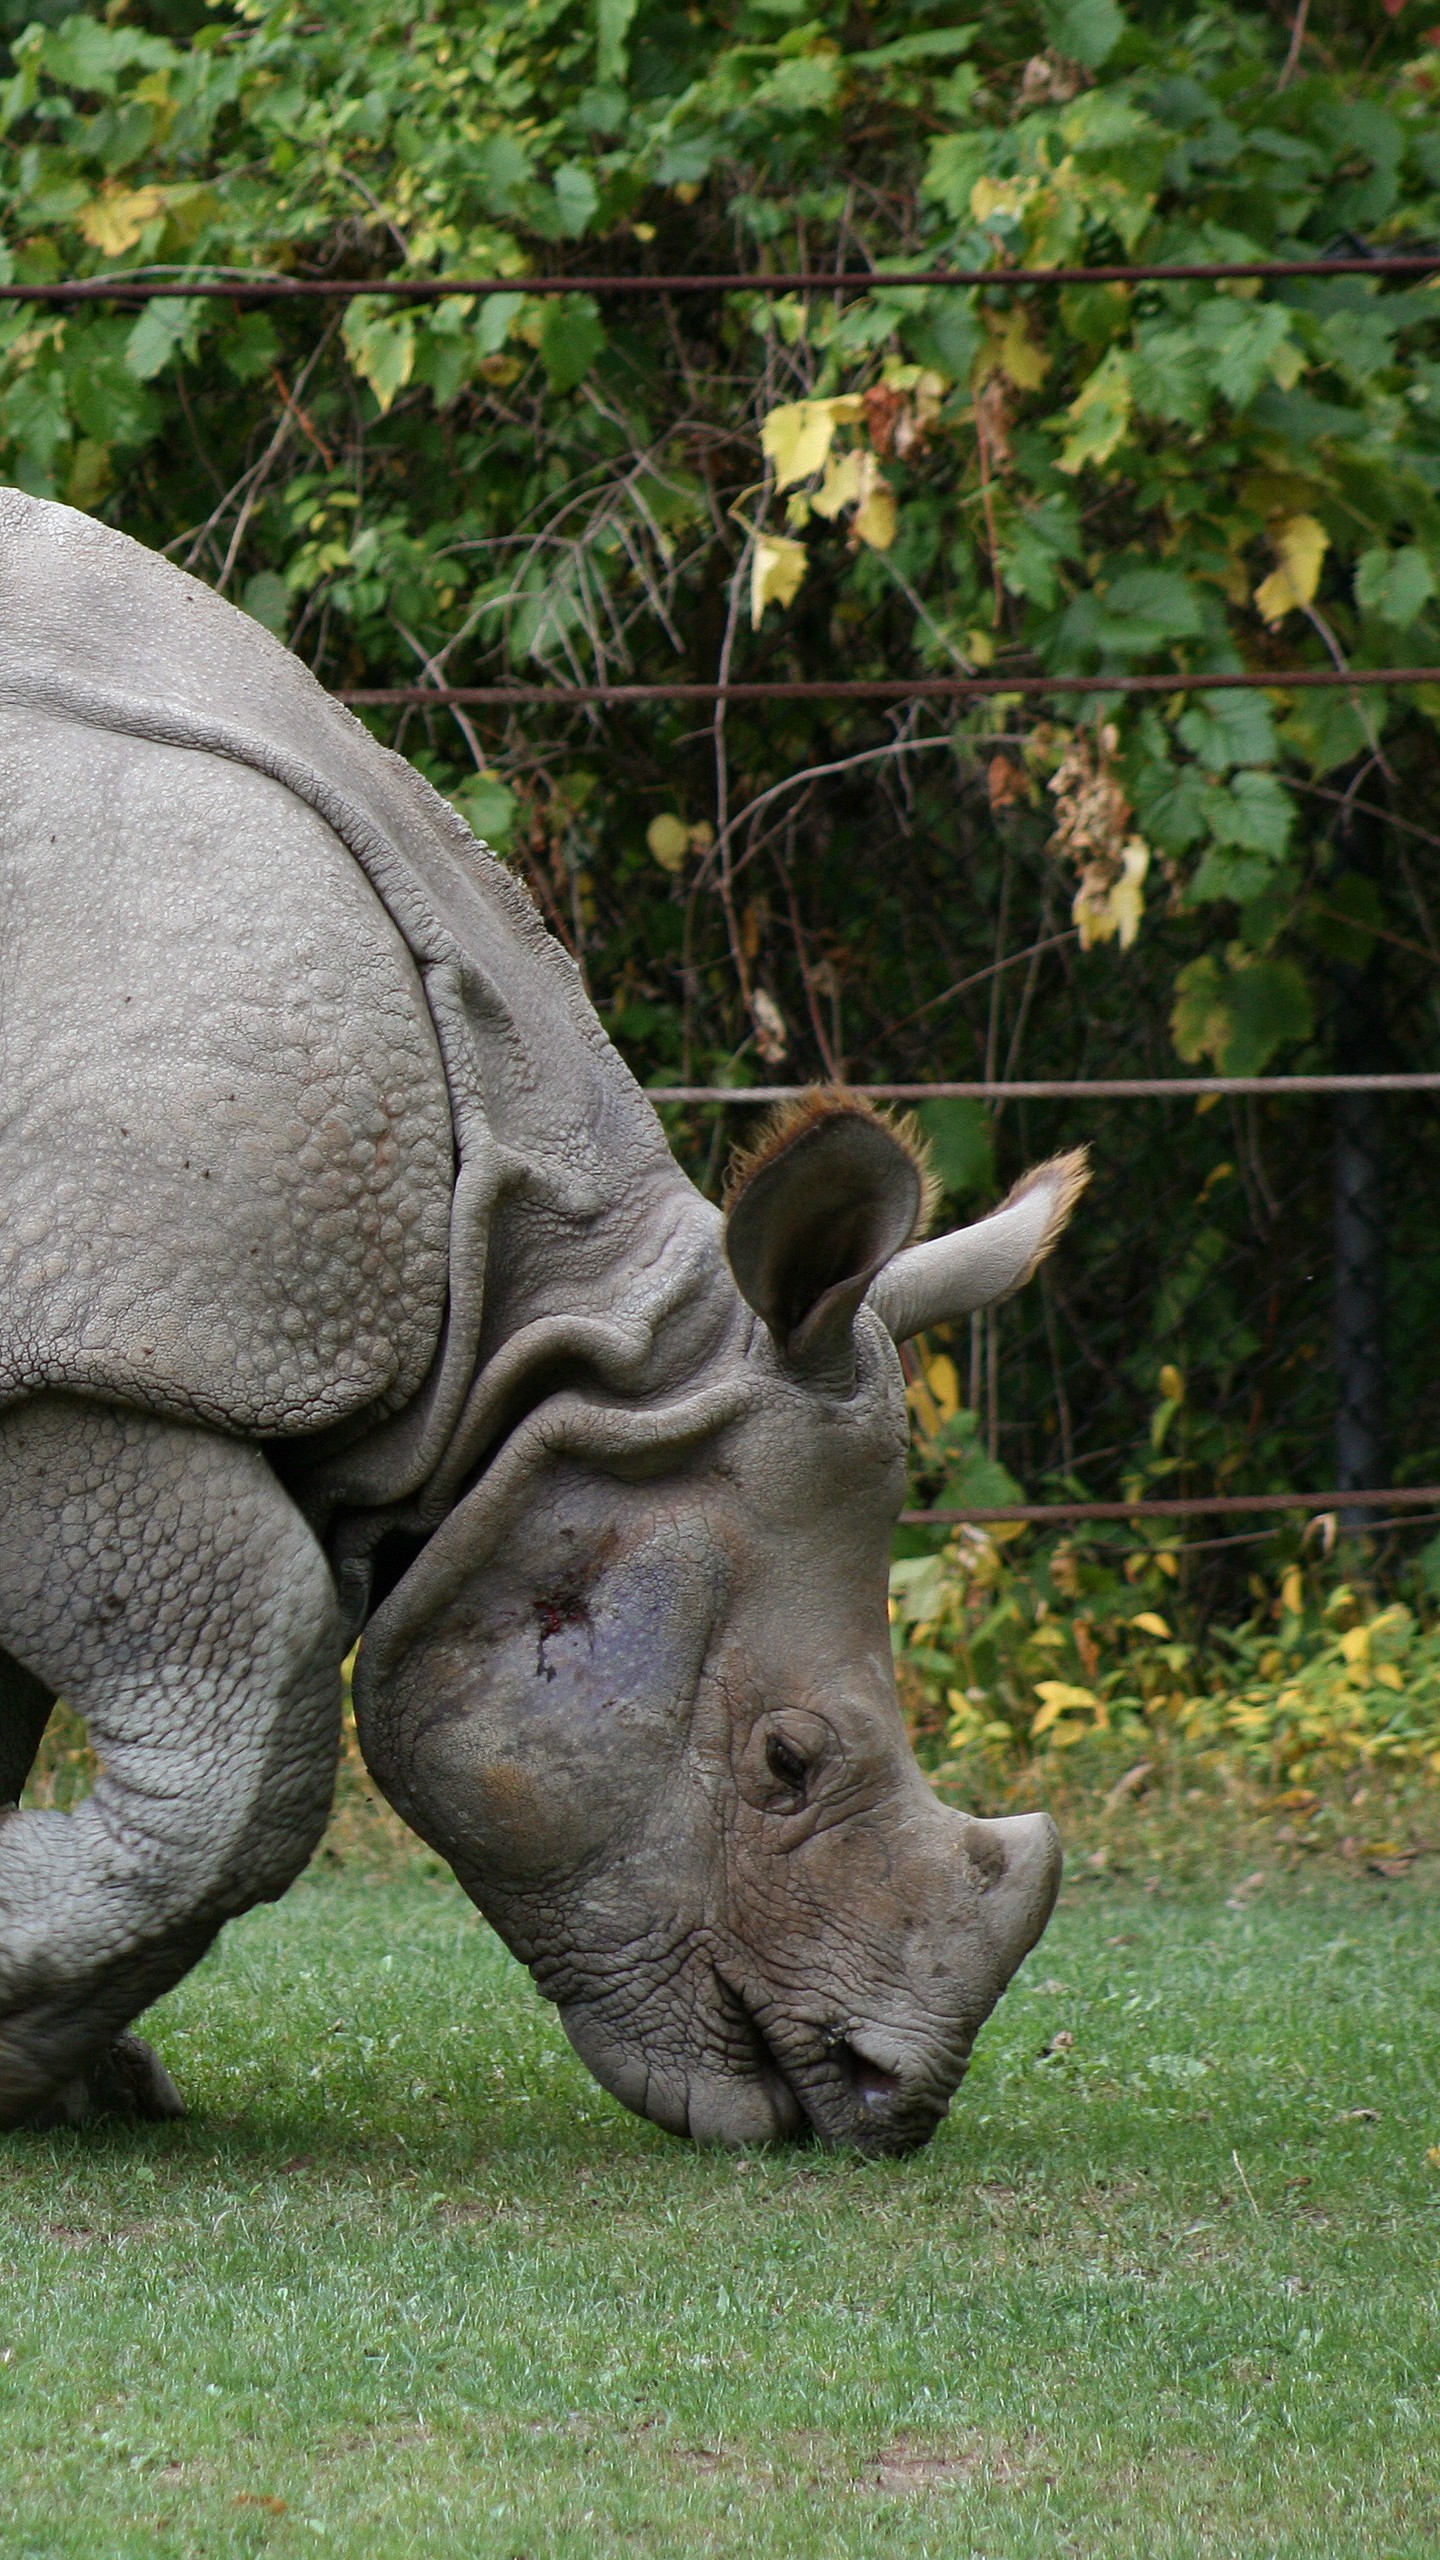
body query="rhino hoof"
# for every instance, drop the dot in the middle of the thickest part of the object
(128, 2080)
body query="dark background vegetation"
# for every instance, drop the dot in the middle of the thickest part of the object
(1088, 480)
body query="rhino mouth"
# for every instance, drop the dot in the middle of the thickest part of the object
(844, 2097)
(761, 2062)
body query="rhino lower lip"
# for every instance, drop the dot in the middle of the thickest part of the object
(768, 2064)
(866, 2088)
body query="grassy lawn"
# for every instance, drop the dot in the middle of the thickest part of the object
(408, 2282)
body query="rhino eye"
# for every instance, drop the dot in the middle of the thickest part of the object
(785, 1764)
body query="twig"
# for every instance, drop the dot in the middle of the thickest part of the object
(1057, 1374)
(819, 773)
(302, 418)
(1376, 932)
(373, 201)
(260, 471)
(1002, 927)
(1361, 708)
(1368, 808)
(978, 978)
(829, 1060)
(992, 538)
(430, 674)
(722, 777)
(1297, 38)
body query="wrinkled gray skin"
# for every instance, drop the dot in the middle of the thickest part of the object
(343, 1263)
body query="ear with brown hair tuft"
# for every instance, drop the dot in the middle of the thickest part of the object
(828, 1195)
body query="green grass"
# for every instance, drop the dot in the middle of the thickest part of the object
(406, 2270)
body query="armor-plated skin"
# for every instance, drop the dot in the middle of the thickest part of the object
(346, 1280)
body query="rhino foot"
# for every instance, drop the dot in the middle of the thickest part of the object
(129, 2079)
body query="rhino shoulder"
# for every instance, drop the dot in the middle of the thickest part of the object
(225, 1144)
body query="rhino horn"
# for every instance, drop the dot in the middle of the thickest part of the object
(824, 1200)
(954, 1275)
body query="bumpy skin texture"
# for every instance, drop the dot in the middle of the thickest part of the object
(346, 1280)
(225, 1152)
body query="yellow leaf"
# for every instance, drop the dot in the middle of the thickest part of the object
(1016, 353)
(1153, 1623)
(1104, 909)
(922, 1404)
(1001, 195)
(796, 438)
(1171, 1383)
(1388, 1676)
(669, 841)
(1058, 1696)
(1433, 2155)
(113, 220)
(843, 484)
(776, 573)
(944, 1385)
(1127, 904)
(1355, 1644)
(1292, 1591)
(877, 521)
(1301, 543)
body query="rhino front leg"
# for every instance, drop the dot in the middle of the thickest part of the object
(159, 1578)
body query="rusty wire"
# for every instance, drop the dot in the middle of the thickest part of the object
(1064, 1089)
(242, 288)
(480, 697)
(1183, 1507)
(238, 286)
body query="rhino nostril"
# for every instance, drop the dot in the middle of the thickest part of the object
(873, 2086)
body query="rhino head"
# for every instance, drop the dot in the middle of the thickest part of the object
(637, 1690)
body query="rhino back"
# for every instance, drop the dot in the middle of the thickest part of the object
(225, 1138)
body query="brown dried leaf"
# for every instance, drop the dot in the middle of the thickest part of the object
(1006, 783)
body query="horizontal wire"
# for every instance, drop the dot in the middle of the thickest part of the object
(239, 286)
(1062, 1089)
(1253, 1537)
(247, 289)
(479, 697)
(1183, 1507)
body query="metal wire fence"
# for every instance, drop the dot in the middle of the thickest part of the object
(1220, 1257)
(247, 285)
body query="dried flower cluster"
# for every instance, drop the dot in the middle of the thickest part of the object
(1092, 830)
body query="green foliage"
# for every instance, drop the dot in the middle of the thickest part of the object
(1302, 1688)
(1236, 1010)
(1014, 1655)
(501, 484)
(962, 1145)
(1203, 426)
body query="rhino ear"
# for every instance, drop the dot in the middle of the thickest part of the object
(815, 1210)
(957, 1274)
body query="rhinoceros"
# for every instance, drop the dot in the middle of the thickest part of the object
(347, 1282)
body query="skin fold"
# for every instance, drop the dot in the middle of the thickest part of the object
(348, 1287)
